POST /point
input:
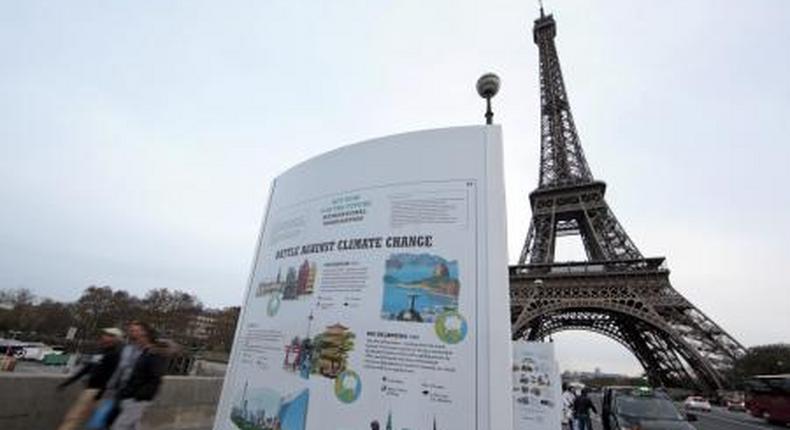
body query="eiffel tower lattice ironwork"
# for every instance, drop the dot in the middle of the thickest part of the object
(617, 292)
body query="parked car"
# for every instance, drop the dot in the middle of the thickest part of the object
(28, 350)
(12, 347)
(697, 403)
(37, 351)
(736, 405)
(643, 408)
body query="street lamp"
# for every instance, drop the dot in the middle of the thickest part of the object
(487, 87)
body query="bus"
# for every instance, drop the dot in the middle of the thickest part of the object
(768, 396)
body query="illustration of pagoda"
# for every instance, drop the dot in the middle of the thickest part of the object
(331, 350)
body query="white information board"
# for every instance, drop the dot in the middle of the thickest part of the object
(378, 297)
(537, 388)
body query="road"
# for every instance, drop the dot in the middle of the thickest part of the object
(717, 419)
(722, 419)
(23, 366)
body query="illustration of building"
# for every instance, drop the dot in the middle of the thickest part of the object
(265, 288)
(293, 411)
(293, 354)
(287, 412)
(332, 348)
(306, 278)
(374, 425)
(290, 291)
(244, 410)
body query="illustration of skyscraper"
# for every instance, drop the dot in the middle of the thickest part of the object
(244, 402)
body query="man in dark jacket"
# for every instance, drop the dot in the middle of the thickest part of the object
(99, 372)
(139, 375)
(581, 411)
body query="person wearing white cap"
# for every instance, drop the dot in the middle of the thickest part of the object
(99, 372)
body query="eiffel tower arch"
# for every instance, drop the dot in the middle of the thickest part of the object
(617, 292)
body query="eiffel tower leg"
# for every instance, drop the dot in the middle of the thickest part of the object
(717, 348)
(539, 246)
(669, 370)
(635, 342)
(610, 236)
(527, 243)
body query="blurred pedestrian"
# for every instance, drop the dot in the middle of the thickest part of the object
(139, 375)
(568, 396)
(99, 371)
(581, 411)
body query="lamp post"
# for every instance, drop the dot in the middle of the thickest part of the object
(487, 87)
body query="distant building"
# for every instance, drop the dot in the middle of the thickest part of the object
(203, 326)
(575, 375)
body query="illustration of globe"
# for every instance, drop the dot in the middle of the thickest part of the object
(451, 327)
(273, 306)
(348, 386)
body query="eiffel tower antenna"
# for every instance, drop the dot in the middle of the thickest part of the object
(617, 292)
(540, 2)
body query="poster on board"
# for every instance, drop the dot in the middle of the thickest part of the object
(537, 388)
(378, 297)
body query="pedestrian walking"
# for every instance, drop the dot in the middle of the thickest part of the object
(581, 411)
(568, 396)
(99, 370)
(138, 376)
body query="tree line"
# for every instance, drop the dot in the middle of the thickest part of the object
(771, 359)
(174, 314)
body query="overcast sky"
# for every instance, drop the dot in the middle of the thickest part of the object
(138, 139)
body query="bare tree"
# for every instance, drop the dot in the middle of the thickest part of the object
(94, 309)
(221, 336)
(171, 312)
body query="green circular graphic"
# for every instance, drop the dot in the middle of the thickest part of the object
(274, 305)
(451, 327)
(348, 386)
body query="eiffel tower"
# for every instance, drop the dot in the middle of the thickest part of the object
(617, 292)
